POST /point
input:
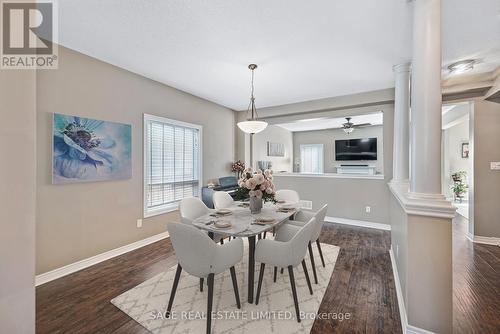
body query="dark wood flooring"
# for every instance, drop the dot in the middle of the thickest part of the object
(361, 285)
(476, 284)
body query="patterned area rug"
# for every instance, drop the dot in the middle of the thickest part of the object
(147, 302)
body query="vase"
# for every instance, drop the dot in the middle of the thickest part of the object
(255, 204)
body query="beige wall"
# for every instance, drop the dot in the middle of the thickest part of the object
(17, 201)
(76, 221)
(346, 197)
(422, 247)
(485, 126)
(328, 137)
(429, 283)
(274, 134)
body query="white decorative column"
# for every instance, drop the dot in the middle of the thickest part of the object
(401, 148)
(426, 100)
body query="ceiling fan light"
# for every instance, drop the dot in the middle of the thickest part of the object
(348, 130)
(252, 126)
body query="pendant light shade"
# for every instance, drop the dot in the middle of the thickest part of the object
(252, 125)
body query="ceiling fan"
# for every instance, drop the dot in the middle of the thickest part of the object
(349, 127)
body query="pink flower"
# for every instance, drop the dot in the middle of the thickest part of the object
(259, 171)
(251, 184)
(259, 178)
(258, 194)
(241, 183)
(269, 191)
(264, 184)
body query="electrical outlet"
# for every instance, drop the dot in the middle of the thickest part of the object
(368, 209)
(139, 223)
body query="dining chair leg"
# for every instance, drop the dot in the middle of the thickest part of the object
(235, 287)
(210, 280)
(265, 233)
(294, 292)
(259, 237)
(259, 286)
(275, 273)
(304, 267)
(312, 263)
(320, 253)
(274, 231)
(281, 272)
(201, 284)
(174, 289)
(222, 241)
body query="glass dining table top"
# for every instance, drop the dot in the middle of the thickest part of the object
(243, 222)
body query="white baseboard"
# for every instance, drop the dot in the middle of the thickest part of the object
(399, 292)
(361, 223)
(406, 328)
(85, 263)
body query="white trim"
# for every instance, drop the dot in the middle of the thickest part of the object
(149, 118)
(430, 205)
(85, 263)
(361, 223)
(406, 328)
(484, 240)
(399, 292)
(333, 175)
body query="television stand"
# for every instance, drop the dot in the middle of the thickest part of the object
(356, 169)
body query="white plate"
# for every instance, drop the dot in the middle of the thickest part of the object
(223, 211)
(222, 224)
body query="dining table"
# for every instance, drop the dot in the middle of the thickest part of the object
(244, 224)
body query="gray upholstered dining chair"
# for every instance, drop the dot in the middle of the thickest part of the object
(199, 256)
(285, 254)
(222, 200)
(287, 195)
(191, 208)
(301, 218)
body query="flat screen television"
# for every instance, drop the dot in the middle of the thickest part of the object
(356, 149)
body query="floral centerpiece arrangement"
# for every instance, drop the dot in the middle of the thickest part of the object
(258, 186)
(238, 167)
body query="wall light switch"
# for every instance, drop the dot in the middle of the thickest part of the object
(368, 209)
(139, 223)
(495, 165)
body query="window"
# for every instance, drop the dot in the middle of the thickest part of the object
(311, 158)
(172, 163)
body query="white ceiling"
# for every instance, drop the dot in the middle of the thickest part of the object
(331, 123)
(305, 49)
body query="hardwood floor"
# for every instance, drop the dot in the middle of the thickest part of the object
(476, 284)
(361, 285)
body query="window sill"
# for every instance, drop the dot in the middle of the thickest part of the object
(161, 211)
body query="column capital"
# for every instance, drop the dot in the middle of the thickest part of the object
(403, 67)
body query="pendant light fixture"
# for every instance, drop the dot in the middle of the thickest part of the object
(252, 125)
